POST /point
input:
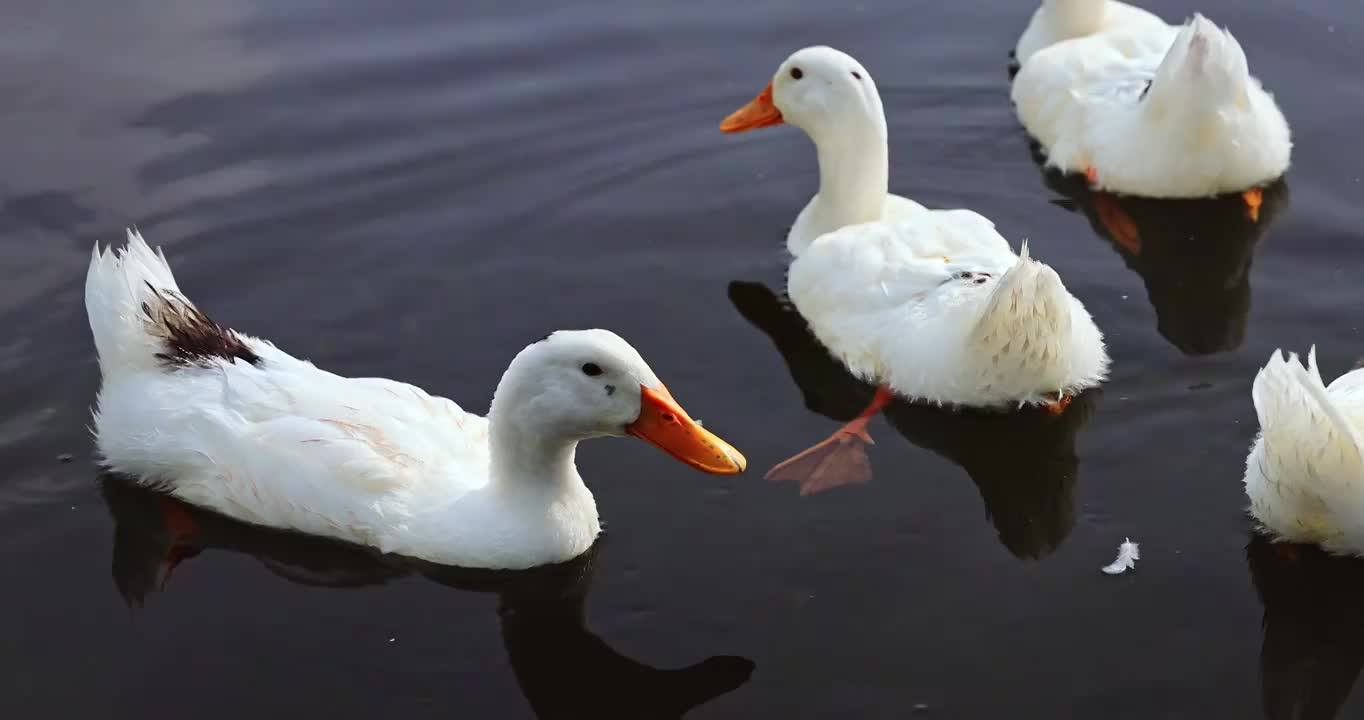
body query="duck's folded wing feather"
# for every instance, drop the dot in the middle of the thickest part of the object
(286, 444)
(880, 265)
(865, 288)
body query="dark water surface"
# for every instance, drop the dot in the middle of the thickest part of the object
(418, 191)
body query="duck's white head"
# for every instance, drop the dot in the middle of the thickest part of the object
(823, 91)
(1204, 68)
(832, 98)
(580, 384)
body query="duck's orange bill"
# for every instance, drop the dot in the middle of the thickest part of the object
(759, 113)
(663, 423)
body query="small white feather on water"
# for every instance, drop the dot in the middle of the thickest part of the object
(1128, 555)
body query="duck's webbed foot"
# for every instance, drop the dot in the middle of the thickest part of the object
(1057, 403)
(182, 529)
(1120, 226)
(1254, 198)
(839, 460)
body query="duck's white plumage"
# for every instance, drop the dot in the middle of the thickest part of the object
(1057, 20)
(1172, 113)
(933, 303)
(938, 307)
(1305, 472)
(232, 423)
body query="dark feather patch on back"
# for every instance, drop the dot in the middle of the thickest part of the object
(188, 336)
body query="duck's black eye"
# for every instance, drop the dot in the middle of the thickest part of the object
(591, 369)
(857, 75)
(796, 74)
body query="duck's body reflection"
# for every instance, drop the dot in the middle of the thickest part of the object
(1023, 463)
(1313, 624)
(563, 669)
(1194, 256)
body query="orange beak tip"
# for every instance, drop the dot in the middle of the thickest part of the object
(664, 424)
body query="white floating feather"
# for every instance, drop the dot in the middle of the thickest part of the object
(1128, 555)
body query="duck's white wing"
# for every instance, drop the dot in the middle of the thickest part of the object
(864, 288)
(1058, 92)
(284, 444)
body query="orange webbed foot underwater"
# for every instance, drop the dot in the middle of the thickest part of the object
(1254, 198)
(1120, 226)
(182, 529)
(1058, 405)
(839, 460)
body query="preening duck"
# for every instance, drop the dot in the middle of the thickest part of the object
(1158, 114)
(1305, 472)
(232, 423)
(929, 304)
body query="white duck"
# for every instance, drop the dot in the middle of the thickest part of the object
(1057, 20)
(1305, 472)
(232, 423)
(832, 98)
(932, 304)
(1164, 115)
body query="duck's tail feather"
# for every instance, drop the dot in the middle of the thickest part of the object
(1299, 423)
(1205, 63)
(141, 321)
(1028, 311)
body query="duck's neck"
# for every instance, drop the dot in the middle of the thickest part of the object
(525, 460)
(1077, 18)
(854, 176)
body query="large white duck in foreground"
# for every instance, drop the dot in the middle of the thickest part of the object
(1163, 114)
(232, 423)
(1305, 472)
(929, 304)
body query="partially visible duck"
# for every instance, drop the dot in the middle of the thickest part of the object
(1142, 115)
(1305, 472)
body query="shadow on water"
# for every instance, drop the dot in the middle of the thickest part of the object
(1026, 478)
(562, 668)
(1313, 628)
(1194, 256)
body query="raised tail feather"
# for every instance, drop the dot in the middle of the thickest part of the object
(1204, 62)
(140, 320)
(1300, 424)
(1029, 311)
